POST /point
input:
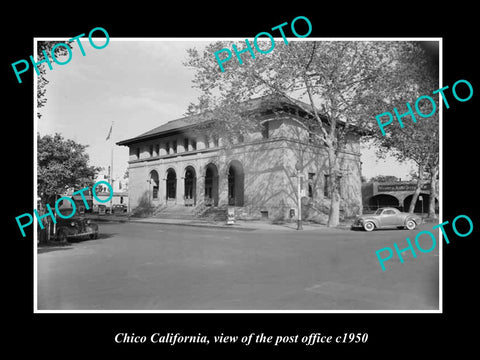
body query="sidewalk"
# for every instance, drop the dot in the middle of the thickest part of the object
(239, 224)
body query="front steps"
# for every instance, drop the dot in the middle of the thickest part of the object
(175, 212)
(203, 212)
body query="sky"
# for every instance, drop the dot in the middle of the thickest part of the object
(137, 85)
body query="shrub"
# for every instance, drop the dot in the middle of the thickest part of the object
(144, 208)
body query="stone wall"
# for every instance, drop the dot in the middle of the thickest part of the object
(314, 164)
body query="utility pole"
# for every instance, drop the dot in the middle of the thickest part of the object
(298, 167)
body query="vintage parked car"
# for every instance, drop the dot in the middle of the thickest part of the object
(75, 227)
(387, 217)
(119, 208)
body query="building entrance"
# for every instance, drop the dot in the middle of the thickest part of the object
(190, 186)
(171, 185)
(235, 184)
(211, 185)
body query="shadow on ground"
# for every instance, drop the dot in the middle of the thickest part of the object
(56, 246)
(49, 248)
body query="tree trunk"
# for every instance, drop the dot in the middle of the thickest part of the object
(334, 213)
(49, 226)
(433, 193)
(415, 197)
(417, 190)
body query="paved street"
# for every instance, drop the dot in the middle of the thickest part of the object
(142, 266)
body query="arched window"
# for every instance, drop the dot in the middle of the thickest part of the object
(190, 186)
(211, 185)
(154, 184)
(235, 183)
(171, 184)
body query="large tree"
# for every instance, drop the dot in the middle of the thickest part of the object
(419, 143)
(417, 140)
(61, 164)
(344, 84)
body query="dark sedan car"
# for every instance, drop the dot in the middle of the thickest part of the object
(387, 218)
(119, 208)
(75, 227)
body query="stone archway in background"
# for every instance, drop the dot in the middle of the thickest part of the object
(382, 200)
(421, 206)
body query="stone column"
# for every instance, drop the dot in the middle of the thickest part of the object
(200, 189)
(222, 188)
(162, 186)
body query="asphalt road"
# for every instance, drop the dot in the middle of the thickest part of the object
(135, 266)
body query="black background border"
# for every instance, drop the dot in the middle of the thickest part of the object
(67, 334)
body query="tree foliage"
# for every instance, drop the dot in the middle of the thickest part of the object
(342, 86)
(42, 81)
(417, 141)
(61, 164)
(347, 82)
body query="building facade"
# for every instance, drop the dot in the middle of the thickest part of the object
(176, 165)
(396, 194)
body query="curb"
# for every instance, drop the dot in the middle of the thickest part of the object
(140, 221)
(206, 225)
(111, 220)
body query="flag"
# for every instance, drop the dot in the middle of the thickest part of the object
(110, 132)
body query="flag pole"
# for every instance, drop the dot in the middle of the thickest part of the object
(111, 171)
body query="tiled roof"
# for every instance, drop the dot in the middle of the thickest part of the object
(172, 125)
(256, 104)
